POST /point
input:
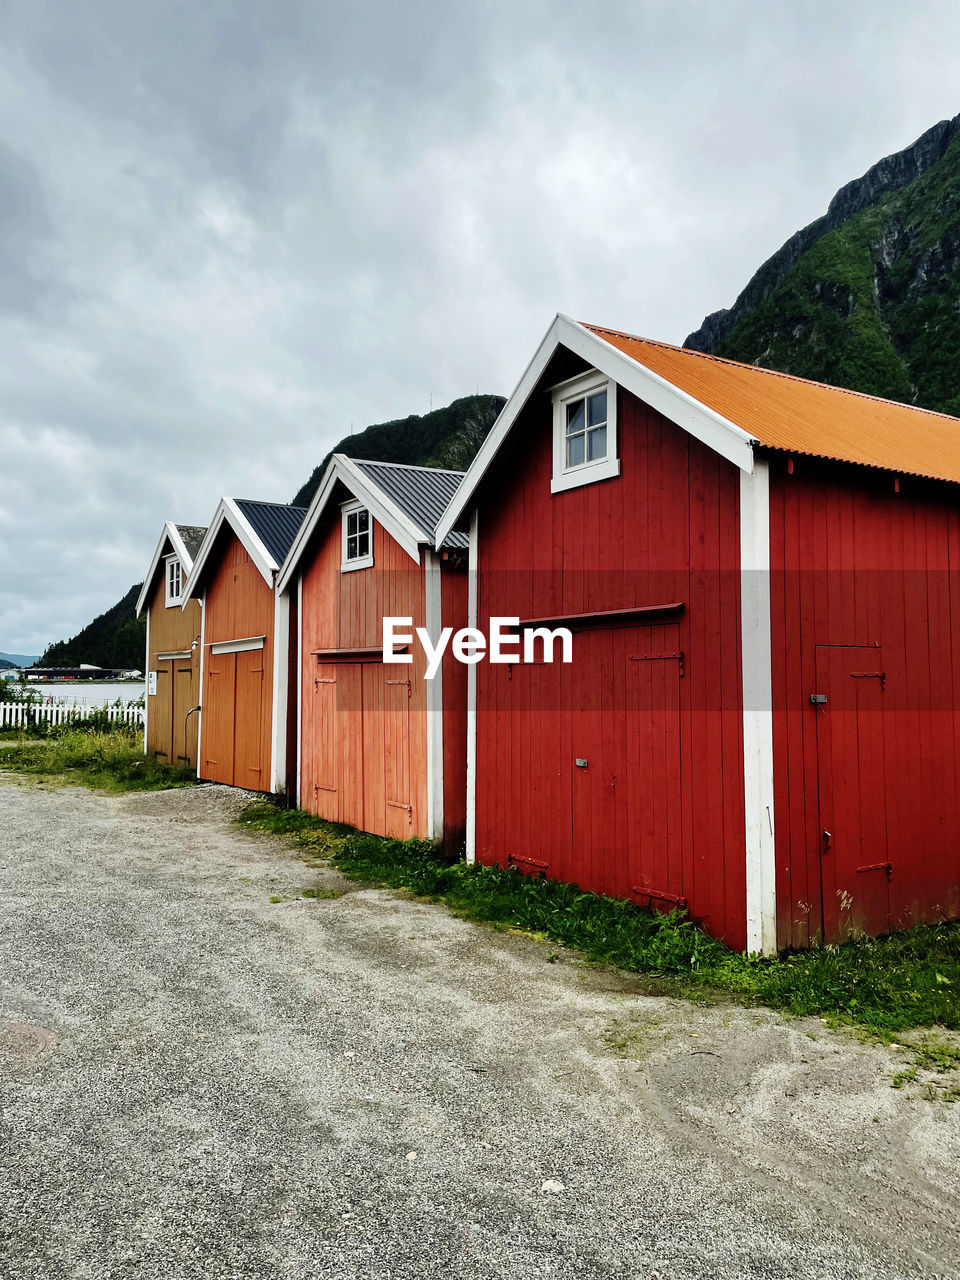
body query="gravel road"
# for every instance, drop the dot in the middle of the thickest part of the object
(201, 1083)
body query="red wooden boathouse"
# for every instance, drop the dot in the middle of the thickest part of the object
(760, 723)
(245, 643)
(379, 745)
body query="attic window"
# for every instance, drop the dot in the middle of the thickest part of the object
(584, 431)
(357, 537)
(174, 581)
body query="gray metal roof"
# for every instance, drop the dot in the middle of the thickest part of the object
(192, 536)
(421, 493)
(274, 523)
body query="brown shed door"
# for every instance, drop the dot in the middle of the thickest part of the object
(183, 700)
(161, 709)
(854, 850)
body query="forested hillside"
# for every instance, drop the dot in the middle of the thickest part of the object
(448, 437)
(114, 639)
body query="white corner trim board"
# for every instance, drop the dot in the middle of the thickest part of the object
(433, 605)
(146, 699)
(757, 677)
(281, 654)
(203, 636)
(472, 615)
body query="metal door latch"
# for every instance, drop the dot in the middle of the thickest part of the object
(581, 764)
(818, 699)
(827, 841)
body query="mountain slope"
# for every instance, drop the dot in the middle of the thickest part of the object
(115, 639)
(868, 296)
(448, 438)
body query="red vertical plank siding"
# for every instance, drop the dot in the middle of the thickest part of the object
(239, 604)
(363, 739)
(856, 564)
(666, 529)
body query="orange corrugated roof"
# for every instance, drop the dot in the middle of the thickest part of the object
(784, 412)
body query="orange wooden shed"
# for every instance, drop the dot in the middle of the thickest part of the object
(172, 648)
(244, 643)
(379, 745)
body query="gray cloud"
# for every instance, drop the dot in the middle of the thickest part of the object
(227, 231)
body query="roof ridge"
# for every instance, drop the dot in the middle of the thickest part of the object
(262, 502)
(407, 466)
(773, 373)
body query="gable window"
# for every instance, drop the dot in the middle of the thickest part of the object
(357, 537)
(584, 431)
(174, 580)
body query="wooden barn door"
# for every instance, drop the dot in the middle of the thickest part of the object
(854, 850)
(218, 717)
(318, 778)
(248, 762)
(652, 666)
(183, 699)
(625, 770)
(161, 711)
(396, 723)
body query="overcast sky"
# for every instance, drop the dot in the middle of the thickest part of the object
(230, 230)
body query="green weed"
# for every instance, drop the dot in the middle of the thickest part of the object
(881, 986)
(112, 761)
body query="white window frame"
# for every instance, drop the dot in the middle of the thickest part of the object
(170, 599)
(605, 468)
(358, 562)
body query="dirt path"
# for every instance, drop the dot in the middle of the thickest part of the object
(199, 1082)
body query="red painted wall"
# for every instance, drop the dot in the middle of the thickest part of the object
(237, 688)
(659, 806)
(864, 582)
(363, 756)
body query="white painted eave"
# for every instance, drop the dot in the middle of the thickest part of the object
(691, 415)
(344, 470)
(229, 513)
(170, 537)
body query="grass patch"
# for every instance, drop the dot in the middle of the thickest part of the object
(882, 986)
(111, 761)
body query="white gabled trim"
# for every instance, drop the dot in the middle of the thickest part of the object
(281, 664)
(757, 675)
(714, 430)
(146, 686)
(170, 534)
(472, 615)
(228, 512)
(433, 617)
(299, 682)
(203, 637)
(382, 508)
(238, 646)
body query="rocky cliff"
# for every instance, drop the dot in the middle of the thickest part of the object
(868, 296)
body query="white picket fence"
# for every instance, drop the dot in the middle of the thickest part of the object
(16, 715)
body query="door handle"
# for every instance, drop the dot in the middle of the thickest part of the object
(827, 841)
